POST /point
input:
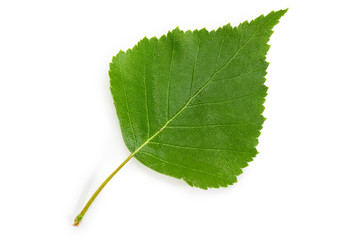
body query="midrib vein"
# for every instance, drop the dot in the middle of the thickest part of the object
(199, 91)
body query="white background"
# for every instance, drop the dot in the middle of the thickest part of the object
(60, 137)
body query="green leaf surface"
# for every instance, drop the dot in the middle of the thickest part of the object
(190, 103)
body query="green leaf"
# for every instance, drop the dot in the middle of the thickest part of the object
(190, 103)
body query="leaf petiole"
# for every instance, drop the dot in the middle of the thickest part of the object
(80, 216)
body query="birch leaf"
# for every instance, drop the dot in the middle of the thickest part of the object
(190, 103)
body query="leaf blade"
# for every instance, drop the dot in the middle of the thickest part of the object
(195, 79)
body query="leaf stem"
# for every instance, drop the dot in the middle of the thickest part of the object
(80, 216)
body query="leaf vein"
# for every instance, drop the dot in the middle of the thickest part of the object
(194, 67)
(224, 101)
(127, 106)
(146, 97)
(169, 80)
(220, 48)
(240, 75)
(196, 148)
(182, 166)
(210, 125)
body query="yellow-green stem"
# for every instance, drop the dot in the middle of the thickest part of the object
(80, 216)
